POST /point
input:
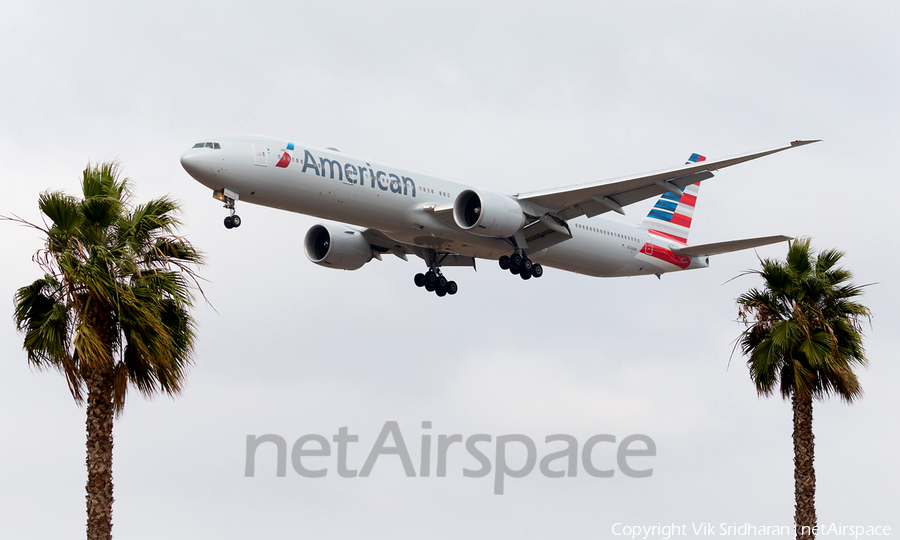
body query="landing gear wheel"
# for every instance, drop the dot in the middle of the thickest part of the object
(525, 275)
(433, 279)
(513, 270)
(515, 260)
(504, 262)
(537, 271)
(236, 221)
(526, 265)
(229, 223)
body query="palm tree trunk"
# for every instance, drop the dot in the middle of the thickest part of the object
(99, 455)
(804, 471)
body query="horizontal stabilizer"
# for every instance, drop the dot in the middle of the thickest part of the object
(727, 247)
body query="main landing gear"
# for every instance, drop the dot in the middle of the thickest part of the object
(433, 280)
(436, 283)
(519, 263)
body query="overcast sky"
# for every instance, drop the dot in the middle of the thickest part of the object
(515, 96)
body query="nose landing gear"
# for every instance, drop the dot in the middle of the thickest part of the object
(519, 263)
(232, 221)
(229, 198)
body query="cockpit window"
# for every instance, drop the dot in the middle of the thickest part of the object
(216, 146)
(213, 145)
(198, 145)
(209, 145)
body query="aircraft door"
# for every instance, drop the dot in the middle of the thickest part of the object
(260, 155)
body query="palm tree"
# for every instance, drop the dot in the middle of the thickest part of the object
(803, 336)
(111, 310)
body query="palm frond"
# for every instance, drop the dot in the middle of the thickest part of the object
(64, 212)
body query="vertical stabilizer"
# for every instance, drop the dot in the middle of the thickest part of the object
(671, 216)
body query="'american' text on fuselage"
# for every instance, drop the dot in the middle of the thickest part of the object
(356, 175)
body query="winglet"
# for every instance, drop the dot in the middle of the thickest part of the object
(804, 143)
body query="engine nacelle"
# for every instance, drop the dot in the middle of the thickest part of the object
(487, 213)
(337, 247)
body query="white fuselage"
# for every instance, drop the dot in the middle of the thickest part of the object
(331, 185)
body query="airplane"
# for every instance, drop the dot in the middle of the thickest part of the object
(384, 210)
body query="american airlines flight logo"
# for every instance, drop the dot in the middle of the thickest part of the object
(285, 156)
(348, 172)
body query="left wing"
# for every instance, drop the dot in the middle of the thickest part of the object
(599, 197)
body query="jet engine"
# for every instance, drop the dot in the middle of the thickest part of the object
(487, 213)
(338, 247)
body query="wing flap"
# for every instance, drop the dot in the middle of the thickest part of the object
(545, 233)
(382, 244)
(452, 259)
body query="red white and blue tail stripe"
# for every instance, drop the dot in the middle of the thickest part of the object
(670, 219)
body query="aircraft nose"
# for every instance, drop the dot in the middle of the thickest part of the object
(190, 160)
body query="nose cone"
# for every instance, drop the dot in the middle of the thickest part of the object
(191, 161)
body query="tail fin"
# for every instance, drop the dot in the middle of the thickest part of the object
(671, 217)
